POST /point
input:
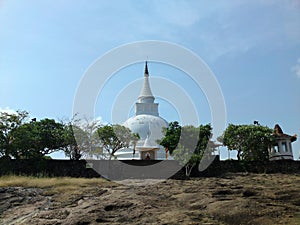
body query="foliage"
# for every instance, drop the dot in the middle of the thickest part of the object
(171, 137)
(8, 123)
(114, 137)
(36, 139)
(192, 145)
(205, 133)
(251, 141)
(72, 149)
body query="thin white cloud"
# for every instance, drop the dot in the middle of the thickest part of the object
(8, 110)
(296, 68)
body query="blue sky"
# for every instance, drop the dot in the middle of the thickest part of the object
(252, 47)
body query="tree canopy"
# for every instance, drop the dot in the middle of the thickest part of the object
(36, 139)
(74, 147)
(192, 145)
(8, 123)
(171, 137)
(251, 141)
(115, 137)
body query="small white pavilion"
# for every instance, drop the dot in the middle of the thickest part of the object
(282, 149)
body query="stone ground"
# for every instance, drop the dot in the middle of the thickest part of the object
(230, 199)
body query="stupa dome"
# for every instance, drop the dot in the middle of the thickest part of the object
(147, 126)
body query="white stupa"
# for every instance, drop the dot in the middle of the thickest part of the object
(147, 122)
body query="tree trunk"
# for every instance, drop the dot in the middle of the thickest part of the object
(167, 150)
(134, 150)
(188, 170)
(239, 155)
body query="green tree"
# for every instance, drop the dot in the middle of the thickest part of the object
(114, 137)
(36, 139)
(192, 145)
(8, 123)
(171, 137)
(205, 133)
(74, 147)
(251, 141)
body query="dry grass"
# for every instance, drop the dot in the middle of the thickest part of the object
(63, 189)
(56, 182)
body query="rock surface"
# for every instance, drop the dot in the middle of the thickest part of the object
(231, 199)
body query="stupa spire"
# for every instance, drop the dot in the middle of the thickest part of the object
(146, 93)
(146, 73)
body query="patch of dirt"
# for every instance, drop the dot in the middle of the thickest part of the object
(231, 199)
